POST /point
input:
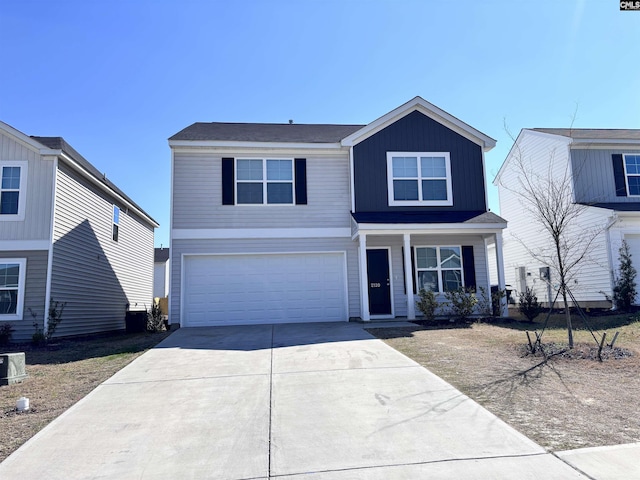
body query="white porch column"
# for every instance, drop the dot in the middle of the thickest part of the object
(500, 265)
(364, 280)
(408, 277)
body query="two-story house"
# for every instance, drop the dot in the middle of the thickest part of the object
(68, 235)
(602, 167)
(304, 223)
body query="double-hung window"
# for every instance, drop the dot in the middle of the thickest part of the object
(439, 269)
(264, 181)
(12, 190)
(416, 179)
(632, 173)
(12, 275)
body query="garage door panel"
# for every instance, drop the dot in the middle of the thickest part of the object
(248, 289)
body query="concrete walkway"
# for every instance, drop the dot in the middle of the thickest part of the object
(320, 401)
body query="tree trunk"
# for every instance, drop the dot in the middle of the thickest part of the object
(567, 314)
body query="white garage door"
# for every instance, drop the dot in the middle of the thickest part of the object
(251, 289)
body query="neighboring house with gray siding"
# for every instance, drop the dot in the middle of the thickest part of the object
(68, 234)
(161, 273)
(603, 166)
(274, 223)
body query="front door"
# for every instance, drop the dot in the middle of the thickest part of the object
(379, 282)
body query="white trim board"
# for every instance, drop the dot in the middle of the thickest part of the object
(24, 245)
(254, 233)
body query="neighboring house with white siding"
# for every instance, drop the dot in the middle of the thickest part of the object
(604, 168)
(276, 223)
(68, 234)
(161, 273)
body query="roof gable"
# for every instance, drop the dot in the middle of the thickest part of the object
(421, 105)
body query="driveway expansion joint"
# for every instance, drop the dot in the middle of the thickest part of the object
(573, 466)
(407, 464)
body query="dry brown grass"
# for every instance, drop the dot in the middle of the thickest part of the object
(59, 376)
(567, 403)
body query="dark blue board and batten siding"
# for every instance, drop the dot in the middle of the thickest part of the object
(417, 133)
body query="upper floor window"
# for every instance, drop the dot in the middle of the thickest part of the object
(439, 269)
(12, 190)
(632, 173)
(12, 277)
(264, 181)
(116, 223)
(415, 179)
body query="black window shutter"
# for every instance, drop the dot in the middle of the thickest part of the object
(469, 265)
(618, 175)
(301, 181)
(228, 187)
(413, 272)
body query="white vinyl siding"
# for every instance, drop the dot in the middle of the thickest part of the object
(548, 153)
(36, 185)
(197, 195)
(97, 277)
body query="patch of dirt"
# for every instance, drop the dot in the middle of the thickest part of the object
(571, 401)
(58, 376)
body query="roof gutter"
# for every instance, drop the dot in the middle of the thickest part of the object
(105, 188)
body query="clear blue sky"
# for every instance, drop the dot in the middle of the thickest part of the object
(116, 78)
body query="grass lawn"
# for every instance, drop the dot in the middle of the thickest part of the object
(570, 402)
(58, 376)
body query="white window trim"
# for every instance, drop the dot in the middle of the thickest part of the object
(626, 175)
(438, 268)
(22, 196)
(416, 203)
(264, 182)
(19, 315)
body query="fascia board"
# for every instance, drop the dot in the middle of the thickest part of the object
(431, 111)
(429, 228)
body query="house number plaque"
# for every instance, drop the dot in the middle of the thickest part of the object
(375, 285)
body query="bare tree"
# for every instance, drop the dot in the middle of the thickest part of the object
(548, 198)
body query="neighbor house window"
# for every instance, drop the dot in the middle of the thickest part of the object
(116, 223)
(419, 178)
(264, 181)
(12, 190)
(12, 273)
(439, 269)
(632, 173)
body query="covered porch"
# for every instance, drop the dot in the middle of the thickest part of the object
(400, 253)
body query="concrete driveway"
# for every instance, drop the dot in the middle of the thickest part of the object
(318, 401)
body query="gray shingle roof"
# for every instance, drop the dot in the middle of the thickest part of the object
(266, 132)
(160, 255)
(59, 143)
(594, 133)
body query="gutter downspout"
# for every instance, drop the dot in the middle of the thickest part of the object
(612, 221)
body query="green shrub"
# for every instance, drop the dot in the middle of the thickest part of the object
(624, 291)
(496, 301)
(6, 331)
(155, 320)
(427, 304)
(528, 304)
(462, 301)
